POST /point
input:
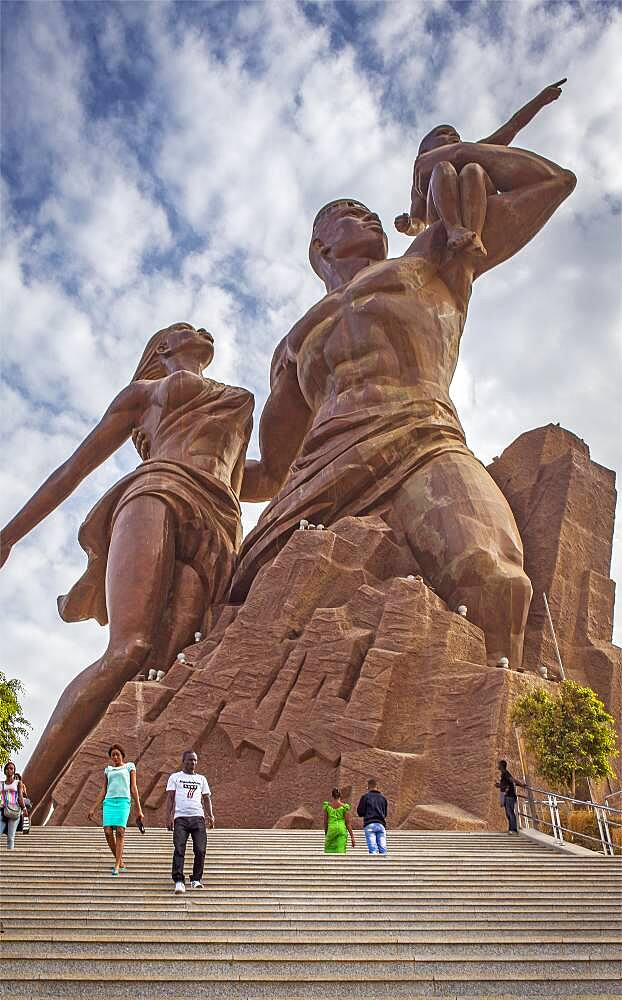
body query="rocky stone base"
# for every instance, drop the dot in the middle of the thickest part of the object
(342, 665)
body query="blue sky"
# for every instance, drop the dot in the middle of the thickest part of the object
(163, 162)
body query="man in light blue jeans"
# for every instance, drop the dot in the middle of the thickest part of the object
(373, 807)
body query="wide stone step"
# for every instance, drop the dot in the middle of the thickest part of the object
(317, 857)
(403, 909)
(493, 926)
(183, 968)
(294, 950)
(435, 861)
(208, 936)
(304, 908)
(413, 989)
(312, 899)
(393, 877)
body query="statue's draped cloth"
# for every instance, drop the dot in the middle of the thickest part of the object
(212, 430)
(350, 464)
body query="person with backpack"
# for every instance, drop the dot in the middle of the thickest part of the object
(11, 804)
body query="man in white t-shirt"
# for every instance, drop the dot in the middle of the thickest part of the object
(188, 800)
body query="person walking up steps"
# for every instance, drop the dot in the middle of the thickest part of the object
(118, 790)
(189, 798)
(337, 824)
(373, 807)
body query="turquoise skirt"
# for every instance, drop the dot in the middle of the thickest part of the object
(116, 812)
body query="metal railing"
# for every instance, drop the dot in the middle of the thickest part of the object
(540, 809)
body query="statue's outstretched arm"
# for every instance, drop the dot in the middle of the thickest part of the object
(111, 432)
(282, 427)
(504, 135)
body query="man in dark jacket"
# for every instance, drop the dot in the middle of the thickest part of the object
(373, 808)
(507, 785)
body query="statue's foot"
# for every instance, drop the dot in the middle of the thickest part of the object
(476, 248)
(461, 240)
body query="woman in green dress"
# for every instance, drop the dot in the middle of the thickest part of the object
(337, 824)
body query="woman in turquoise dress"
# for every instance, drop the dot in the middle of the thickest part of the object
(116, 796)
(337, 824)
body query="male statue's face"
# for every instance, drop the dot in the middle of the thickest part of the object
(351, 231)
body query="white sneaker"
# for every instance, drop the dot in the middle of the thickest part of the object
(179, 888)
(196, 885)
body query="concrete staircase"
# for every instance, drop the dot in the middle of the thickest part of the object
(444, 915)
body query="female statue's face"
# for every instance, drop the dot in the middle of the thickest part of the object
(185, 339)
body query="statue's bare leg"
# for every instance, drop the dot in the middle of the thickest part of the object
(431, 213)
(183, 618)
(464, 537)
(140, 566)
(475, 187)
(444, 189)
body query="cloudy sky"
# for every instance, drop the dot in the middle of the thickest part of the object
(163, 162)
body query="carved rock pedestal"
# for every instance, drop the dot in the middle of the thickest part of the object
(339, 667)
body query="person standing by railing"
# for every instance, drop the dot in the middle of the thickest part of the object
(507, 785)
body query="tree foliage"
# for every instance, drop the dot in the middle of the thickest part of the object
(13, 726)
(570, 735)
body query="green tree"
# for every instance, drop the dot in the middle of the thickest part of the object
(570, 735)
(13, 726)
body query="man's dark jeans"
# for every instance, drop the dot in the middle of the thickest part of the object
(184, 827)
(509, 803)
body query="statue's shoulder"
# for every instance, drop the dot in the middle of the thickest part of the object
(237, 392)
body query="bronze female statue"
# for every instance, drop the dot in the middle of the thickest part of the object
(161, 543)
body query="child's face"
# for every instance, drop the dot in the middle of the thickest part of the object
(442, 135)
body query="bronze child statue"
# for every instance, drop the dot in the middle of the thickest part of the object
(440, 187)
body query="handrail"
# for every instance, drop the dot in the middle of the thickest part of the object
(606, 816)
(568, 798)
(612, 795)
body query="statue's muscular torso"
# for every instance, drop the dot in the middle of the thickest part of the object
(395, 324)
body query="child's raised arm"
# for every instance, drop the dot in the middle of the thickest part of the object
(504, 135)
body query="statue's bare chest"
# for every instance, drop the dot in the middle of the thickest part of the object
(368, 315)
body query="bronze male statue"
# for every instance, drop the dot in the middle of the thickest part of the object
(359, 418)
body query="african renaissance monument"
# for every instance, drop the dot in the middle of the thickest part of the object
(387, 608)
